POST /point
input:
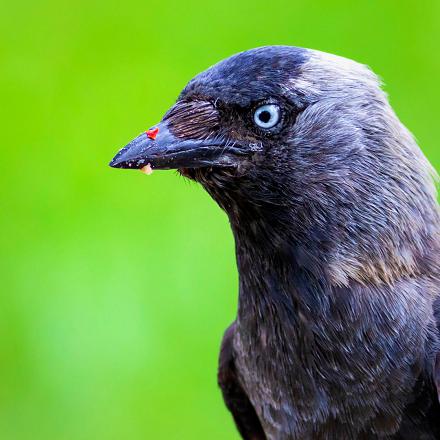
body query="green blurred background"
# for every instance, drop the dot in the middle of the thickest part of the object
(116, 287)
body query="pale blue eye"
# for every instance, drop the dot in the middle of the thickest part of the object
(267, 116)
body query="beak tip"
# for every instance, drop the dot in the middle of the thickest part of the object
(119, 160)
(113, 163)
(131, 156)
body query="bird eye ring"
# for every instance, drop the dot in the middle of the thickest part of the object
(267, 116)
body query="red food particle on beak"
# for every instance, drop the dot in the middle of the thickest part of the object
(152, 133)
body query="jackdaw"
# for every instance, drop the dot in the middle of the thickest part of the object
(337, 228)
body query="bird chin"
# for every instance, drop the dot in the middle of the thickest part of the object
(189, 173)
(204, 174)
(215, 173)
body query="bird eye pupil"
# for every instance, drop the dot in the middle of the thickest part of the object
(264, 116)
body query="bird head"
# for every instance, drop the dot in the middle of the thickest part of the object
(227, 119)
(301, 147)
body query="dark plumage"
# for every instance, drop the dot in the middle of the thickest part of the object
(337, 230)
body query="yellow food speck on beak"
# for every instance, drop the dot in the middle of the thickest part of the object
(147, 169)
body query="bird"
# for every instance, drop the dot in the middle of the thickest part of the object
(336, 222)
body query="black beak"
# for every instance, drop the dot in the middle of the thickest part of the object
(162, 150)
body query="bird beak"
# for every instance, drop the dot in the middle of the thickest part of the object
(159, 148)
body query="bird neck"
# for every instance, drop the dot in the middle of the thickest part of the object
(273, 274)
(284, 304)
(297, 250)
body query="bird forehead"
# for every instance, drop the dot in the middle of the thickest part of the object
(303, 75)
(249, 76)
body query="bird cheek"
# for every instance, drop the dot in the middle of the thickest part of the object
(247, 167)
